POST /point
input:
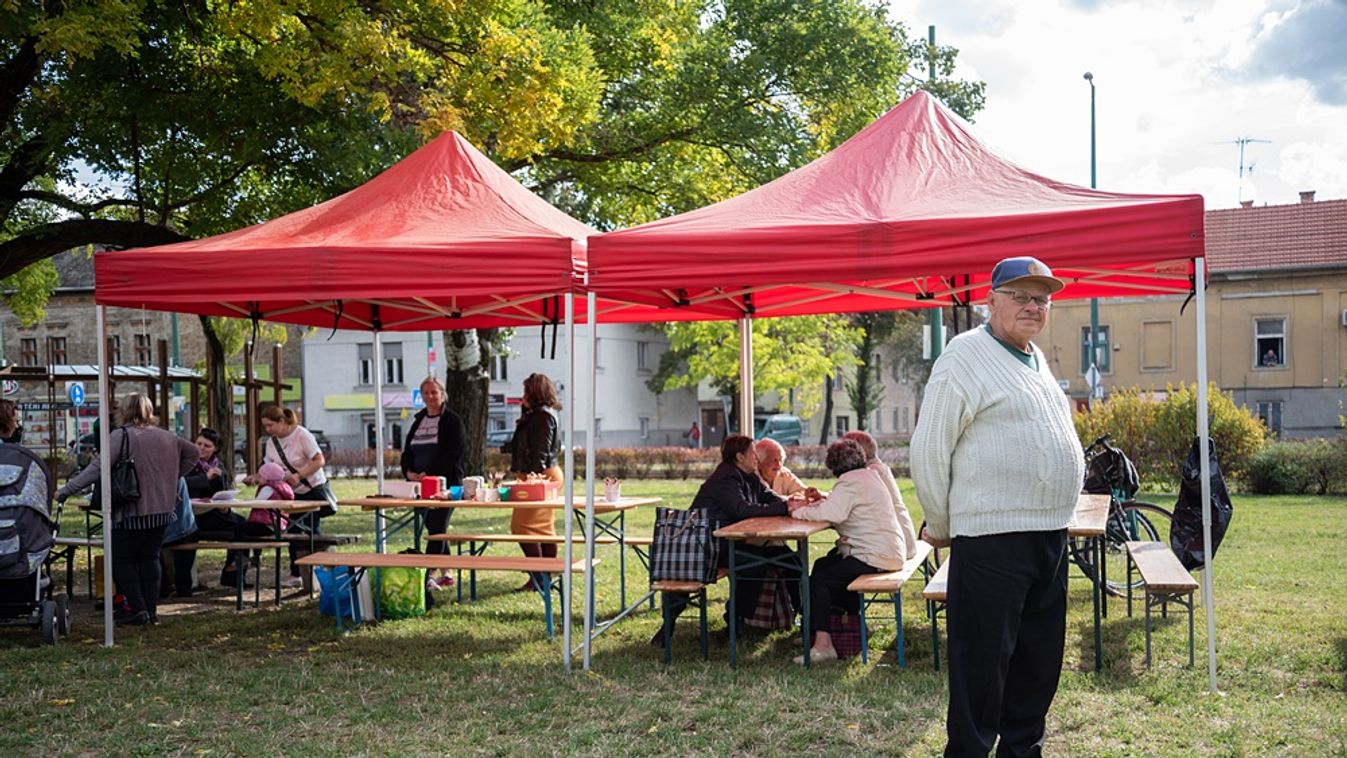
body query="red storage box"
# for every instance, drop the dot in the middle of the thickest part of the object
(535, 490)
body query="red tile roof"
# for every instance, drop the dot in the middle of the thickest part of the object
(1272, 237)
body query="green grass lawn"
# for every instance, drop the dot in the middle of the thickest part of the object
(482, 677)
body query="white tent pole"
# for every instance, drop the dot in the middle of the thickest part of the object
(380, 538)
(590, 443)
(105, 474)
(569, 486)
(1204, 436)
(746, 376)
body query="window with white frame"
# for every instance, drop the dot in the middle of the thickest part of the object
(645, 428)
(896, 426)
(905, 426)
(843, 425)
(393, 363)
(877, 424)
(365, 364)
(1103, 356)
(1270, 411)
(499, 368)
(1269, 342)
(642, 356)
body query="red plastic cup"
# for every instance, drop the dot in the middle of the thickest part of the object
(430, 486)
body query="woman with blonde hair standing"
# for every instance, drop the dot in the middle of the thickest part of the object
(161, 459)
(534, 450)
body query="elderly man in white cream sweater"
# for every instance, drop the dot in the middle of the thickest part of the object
(998, 469)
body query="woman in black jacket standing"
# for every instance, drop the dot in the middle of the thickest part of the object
(435, 447)
(533, 450)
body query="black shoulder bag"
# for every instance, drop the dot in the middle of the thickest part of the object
(125, 480)
(327, 510)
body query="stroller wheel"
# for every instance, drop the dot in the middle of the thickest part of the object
(63, 615)
(49, 633)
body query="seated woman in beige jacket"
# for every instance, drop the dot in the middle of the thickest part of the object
(869, 541)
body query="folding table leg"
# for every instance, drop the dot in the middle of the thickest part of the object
(865, 637)
(701, 605)
(666, 630)
(898, 619)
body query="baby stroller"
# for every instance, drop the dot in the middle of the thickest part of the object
(27, 533)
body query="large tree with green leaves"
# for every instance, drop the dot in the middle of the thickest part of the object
(137, 122)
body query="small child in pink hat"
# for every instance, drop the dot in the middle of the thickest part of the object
(273, 487)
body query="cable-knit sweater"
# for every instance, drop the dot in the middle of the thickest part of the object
(995, 450)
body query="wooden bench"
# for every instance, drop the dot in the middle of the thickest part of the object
(1166, 580)
(241, 546)
(891, 584)
(550, 569)
(935, 594)
(478, 542)
(696, 597)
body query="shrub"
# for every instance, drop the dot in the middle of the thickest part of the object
(1298, 467)
(1157, 435)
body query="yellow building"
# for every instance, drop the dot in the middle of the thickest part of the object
(1276, 320)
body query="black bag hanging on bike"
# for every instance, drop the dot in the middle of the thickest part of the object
(1111, 469)
(125, 480)
(1185, 532)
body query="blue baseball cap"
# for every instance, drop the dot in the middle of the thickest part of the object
(1025, 269)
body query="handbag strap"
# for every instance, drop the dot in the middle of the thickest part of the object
(126, 446)
(280, 452)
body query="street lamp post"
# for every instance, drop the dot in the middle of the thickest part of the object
(1093, 360)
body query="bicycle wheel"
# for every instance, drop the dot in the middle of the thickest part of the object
(1134, 520)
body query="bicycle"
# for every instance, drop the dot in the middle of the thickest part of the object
(1108, 471)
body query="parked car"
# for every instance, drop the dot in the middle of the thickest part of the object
(498, 438)
(778, 426)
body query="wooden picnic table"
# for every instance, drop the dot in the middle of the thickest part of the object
(772, 528)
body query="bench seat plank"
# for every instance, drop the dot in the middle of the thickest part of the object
(78, 542)
(546, 539)
(892, 581)
(938, 587)
(1160, 569)
(464, 562)
(254, 545)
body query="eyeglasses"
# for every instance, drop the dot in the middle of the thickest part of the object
(1024, 298)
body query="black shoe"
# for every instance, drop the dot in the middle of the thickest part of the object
(138, 618)
(154, 619)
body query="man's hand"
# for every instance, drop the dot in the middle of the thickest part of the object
(934, 541)
(813, 495)
(796, 501)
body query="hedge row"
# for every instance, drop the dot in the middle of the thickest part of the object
(1157, 434)
(691, 463)
(1299, 467)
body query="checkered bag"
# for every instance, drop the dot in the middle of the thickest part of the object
(774, 610)
(683, 549)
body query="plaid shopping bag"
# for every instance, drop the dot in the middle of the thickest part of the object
(774, 610)
(845, 629)
(683, 549)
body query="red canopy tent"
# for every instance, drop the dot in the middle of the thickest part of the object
(444, 239)
(895, 217)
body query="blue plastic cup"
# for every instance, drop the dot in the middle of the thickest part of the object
(456, 492)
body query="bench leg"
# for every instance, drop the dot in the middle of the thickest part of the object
(701, 605)
(1129, 584)
(898, 619)
(1148, 630)
(278, 578)
(1191, 603)
(734, 629)
(545, 588)
(865, 637)
(240, 577)
(666, 630)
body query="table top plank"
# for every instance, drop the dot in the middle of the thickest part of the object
(1090, 516)
(771, 528)
(465, 562)
(600, 506)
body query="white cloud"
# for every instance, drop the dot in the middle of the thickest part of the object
(1175, 82)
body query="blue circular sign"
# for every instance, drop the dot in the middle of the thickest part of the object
(77, 395)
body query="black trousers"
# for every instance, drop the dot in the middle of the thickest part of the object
(135, 566)
(1006, 612)
(828, 587)
(437, 522)
(305, 523)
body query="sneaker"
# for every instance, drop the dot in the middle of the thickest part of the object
(291, 582)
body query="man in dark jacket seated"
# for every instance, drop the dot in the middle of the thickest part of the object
(732, 493)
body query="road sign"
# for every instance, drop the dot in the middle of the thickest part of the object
(76, 392)
(417, 401)
(1092, 378)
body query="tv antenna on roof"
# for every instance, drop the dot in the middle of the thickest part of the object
(1242, 141)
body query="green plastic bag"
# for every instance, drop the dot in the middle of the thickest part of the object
(402, 592)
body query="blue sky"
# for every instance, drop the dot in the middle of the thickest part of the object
(1176, 83)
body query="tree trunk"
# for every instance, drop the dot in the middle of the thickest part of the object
(827, 409)
(466, 383)
(219, 396)
(863, 373)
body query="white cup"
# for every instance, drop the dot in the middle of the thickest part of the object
(612, 492)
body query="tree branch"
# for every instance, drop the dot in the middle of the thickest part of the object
(41, 242)
(74, 206)
(623, 153)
